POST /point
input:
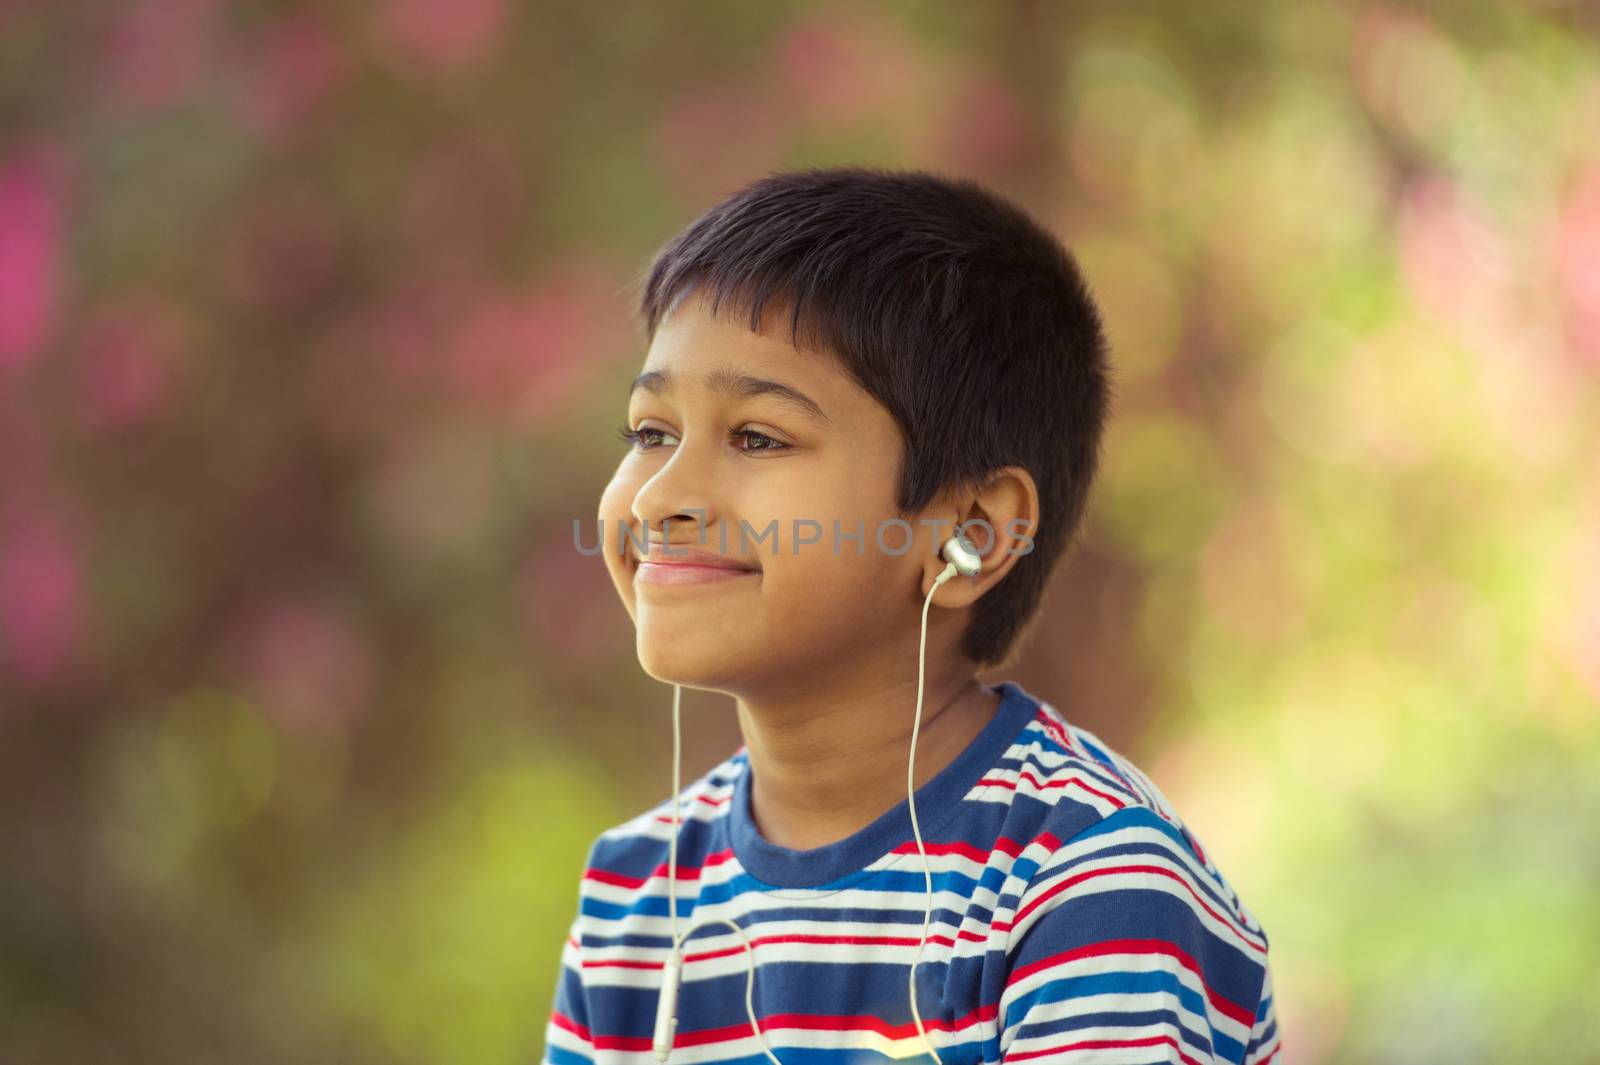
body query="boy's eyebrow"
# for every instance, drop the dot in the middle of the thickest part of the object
(737, 382)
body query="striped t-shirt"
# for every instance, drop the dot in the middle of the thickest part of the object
(1075, 919)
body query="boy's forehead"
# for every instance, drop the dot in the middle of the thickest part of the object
(691, 348)
(692, 326)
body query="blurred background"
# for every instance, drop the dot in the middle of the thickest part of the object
(313, 338)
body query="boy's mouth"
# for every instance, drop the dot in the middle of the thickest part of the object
(684, 564)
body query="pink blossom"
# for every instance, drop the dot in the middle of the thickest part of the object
(30, 249)
(843, 67)
(443, 33)
(713, 138)
(126, 357)
(40, 597)
(1454, 258)
(155, 52)
(524, 354)
(1577, 255)
(293, 66)
(984, 130)
(308, 667)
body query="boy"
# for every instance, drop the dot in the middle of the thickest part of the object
(844, 364)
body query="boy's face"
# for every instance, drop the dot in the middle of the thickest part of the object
(748, 460)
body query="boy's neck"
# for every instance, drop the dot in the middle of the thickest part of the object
(824, 770)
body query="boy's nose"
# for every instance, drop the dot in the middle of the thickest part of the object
(665, 499)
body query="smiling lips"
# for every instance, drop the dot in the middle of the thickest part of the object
(681, 564)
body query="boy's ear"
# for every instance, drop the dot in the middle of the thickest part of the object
(999, 519)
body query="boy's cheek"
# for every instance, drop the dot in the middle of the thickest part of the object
(622, 580)
(620, 567)
(615, 516)
(614, 523)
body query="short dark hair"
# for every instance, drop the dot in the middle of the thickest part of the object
(947, 303)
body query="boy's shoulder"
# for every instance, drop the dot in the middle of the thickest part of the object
(1117, 803)
(1078, 765)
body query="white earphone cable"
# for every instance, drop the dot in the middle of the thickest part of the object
(927, 870)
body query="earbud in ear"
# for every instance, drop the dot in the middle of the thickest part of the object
(960, 553)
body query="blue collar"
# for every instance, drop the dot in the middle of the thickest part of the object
(937, 801)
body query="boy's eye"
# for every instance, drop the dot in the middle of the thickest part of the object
(767, 443)
(643, 438)
(647, 438)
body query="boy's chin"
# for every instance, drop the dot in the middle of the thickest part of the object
(707, 668)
